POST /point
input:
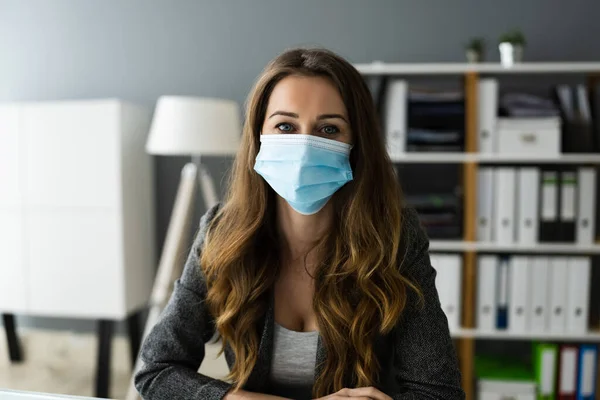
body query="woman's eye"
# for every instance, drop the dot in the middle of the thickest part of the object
(330, 130)
(284, 127)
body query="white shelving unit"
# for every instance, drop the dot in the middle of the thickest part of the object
(381, 68)
(471, 160)
(491, 158)
(542, 336)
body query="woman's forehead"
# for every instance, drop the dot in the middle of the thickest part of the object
(306, 95)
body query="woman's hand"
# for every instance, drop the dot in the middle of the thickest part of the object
(364, 393)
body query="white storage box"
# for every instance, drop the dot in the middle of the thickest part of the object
(502, 390)
(532, 136)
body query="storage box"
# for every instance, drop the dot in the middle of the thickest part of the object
(503, 390)
(531, 136)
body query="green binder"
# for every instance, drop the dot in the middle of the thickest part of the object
(545, 361)
(502, 369)
(504, 375)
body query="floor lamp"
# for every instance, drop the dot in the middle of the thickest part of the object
(194, 127)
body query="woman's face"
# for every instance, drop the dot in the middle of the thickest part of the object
(307, 105)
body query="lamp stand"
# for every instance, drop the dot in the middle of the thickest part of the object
(172, 257)
(209, 193)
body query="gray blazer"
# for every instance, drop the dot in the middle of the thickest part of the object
(418, 358)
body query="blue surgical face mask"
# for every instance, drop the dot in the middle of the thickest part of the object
(305, 170)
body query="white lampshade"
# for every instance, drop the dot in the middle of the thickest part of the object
(194, 126)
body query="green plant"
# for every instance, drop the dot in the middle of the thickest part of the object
(514, 36)
(476, 44)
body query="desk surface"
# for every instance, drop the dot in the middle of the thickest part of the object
(17, 395)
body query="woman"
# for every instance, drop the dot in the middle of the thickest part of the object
(314, 275)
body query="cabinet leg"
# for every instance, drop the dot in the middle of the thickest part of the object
(14, 347)
(105, 333)
(133, 327)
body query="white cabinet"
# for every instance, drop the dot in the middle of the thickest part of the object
(10, 158)
(13, 290)
(76, 209)
(73, 154)
(86, 275)
(12, 268)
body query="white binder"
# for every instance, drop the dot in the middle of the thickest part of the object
(488, 114)
(486, 293)
(504, 205)
(539, 279)
(578, 294)
(448, 283)
(485, 204)
(527, 218)
(519, 293)
(559, 275)
(395, 114)
(586, 215)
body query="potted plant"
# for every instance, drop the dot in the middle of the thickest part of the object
(511, 47)
(475, 49)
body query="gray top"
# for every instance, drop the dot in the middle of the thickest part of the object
(293, 363)
(417, 359)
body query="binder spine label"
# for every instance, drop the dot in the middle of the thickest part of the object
(588, 368)
(568, 189)
(568, 371)
(547, 378)
(549, 192)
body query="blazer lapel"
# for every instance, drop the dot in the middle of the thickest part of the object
(258, 378)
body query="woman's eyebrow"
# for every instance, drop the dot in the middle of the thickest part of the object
(320, 117)
(284, 113)
(330, 116)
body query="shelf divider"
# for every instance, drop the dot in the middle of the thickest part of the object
(467, 345)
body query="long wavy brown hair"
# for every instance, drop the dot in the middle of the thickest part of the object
(359, 290)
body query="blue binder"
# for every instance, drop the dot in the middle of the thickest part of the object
(586, 381)
(502, 282)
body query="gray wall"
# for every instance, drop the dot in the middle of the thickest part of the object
(138, 49)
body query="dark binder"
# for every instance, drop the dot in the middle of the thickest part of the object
(595, 108)
(577, 131)
(549, 227)
(568, 204)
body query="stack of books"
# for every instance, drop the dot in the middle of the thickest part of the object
(440, 214)
(421, 121)
(437, 201)
(436, 121)
(524, 105)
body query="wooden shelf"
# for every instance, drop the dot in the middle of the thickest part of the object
(538, 248)
(381, 68)
(442, 158)
(506, 335)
